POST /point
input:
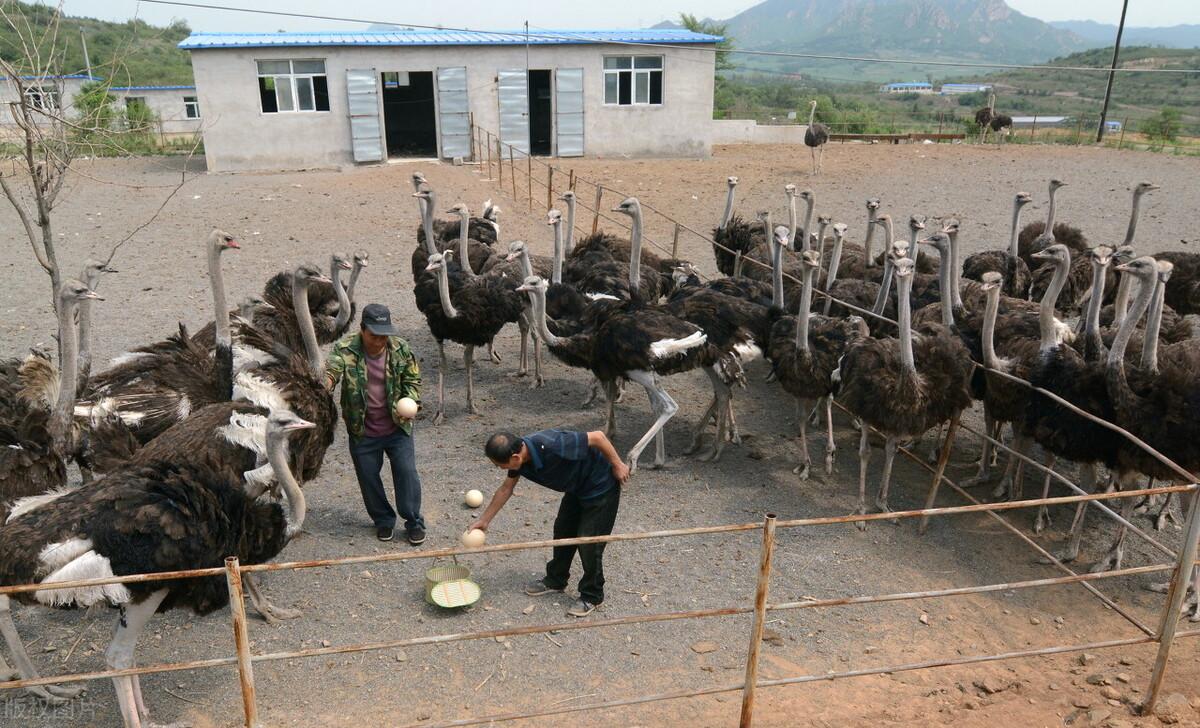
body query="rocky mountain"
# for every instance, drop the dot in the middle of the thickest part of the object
(1101, 34)
(985, 30)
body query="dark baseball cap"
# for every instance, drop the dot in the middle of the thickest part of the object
(377, 319)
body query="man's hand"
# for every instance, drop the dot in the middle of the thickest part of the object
(482, 524)
(621, 472)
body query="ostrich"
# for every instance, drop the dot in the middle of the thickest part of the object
(1034, 236)
(430, 241)
(471, 314)
(168, 516)
(1172, 329)
(901, 387)
(801, 239)
(1009, 264)
(328, 304)
(90, 277)
(815, 137)
(1183, 290)
(861, 293)
(635, 342)
(732, 235)
(1002, 125)
(639, 277)
(858, 260)
(804, 353)
(984, 116)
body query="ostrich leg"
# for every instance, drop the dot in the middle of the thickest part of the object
(538, 379)
(985, 458)
(709, 414)
(523, 365)
(610, 421)
(1043, 514)
(820, 160)
(734, 435)
(830, 447)
(664, 408)
(805, 459)
(1116, 552)
(889, 456)
(594, 388)
(815, 418)
(1088, 478)
(119, 655)
(51, 694)
(864, 458)
(813, 152)
(724, 398)
(493, 355)
(1166, 514)
(440, 415)
(1014, 472)
(468, 362)
(270, 613)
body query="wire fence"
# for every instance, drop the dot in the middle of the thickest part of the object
(515, 172)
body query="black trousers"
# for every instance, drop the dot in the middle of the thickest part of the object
(594, 517)
(367, 454)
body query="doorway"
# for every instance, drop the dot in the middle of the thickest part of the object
(541, 114)
(409, 113)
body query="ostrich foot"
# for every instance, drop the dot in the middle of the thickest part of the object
(814, 419)
(861, 511)
(1066, 556)
(802, 470)
(1110, 561)
(538, 382)
(439, 417)
(1005, 486)
(518, 374)
(1165, 516)
(714, 454)
(976, 480)
(273, 615)
(883, 507)
(1041, 520)
(829, 451)
(493, 355)
(770, 377)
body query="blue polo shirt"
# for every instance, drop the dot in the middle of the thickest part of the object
(561, 460)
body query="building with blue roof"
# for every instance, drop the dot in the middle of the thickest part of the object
(329, 99)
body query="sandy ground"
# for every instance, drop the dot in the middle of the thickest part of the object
(285, 218)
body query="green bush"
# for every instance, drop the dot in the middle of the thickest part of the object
(1164, 126)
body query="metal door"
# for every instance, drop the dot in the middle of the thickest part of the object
(362, 94)
(513, 91)
(568, 112)
(453, 122)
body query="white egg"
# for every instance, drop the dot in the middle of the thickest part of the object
(474, 538)
(473, 499)
(406, 408)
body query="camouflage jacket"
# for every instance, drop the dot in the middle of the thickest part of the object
(348, 365)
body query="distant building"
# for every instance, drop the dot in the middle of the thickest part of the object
(906, 87)
(1112, 126)
(175, 108)
(297, 100)
(949, 89)
(1039, 120)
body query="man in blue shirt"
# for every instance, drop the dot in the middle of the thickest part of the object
(586, 469)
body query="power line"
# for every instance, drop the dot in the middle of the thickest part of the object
(773, 54)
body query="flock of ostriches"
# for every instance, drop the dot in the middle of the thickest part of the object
(194, 448)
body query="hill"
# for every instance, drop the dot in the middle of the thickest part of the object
(130, 53)
(1173, 36)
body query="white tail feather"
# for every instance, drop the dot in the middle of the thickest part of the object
(601, 297)
(54, 556)
(89, 565)
(664, 348)
(255, 389)
(22, 506)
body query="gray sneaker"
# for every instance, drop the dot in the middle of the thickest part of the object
(581, 608)
(538, 588)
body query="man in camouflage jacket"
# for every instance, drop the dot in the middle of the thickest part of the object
(376, 370)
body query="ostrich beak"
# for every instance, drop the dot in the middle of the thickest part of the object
(93, 295)
(1041, 255)
(109, 269)
(234, 245)
(511, 257)
(433, 267)
(363, 263)
(345, 265)
(321, 279)
(299, 425)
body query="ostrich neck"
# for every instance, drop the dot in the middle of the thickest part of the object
(68, 368)
(806, 244)
(427, 221)
(821, 227)
(904, 318)
(777, 275)
(84, 315)
(538, 300)
(304, 318)
(1050, 214)
(812, 114)
(1121, 299)
(955, 271)
(912, 243)
(990, 360)
(1013, 246)
(793, 221)
(885, 287)
(556, 272)
(443, 277)
(464, 249)
(526, 264)
(343, 315)
(728, 214)
(835, 260)
(354, 273)
(224, 334)
(635, 250)
(805, 312)
(1118, 386)
(1133, 218)
(296, 505)
(1046, 309)
(1153, 327)
(867, 250)
(946, 282)
(570, 240)
(1091, 326)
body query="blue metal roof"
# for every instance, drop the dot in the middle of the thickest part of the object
(152, 88)
(199, 41)
(909, 84)
(54, 77)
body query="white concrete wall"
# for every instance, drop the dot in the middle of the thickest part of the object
(748, 131)
(237, 135)
(167, 104)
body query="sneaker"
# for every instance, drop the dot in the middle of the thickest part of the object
(416, 535)
(384, 533)
(581, 608)
(538, 588)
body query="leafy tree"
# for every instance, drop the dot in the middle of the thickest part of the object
(1163, 126)
(694, 24)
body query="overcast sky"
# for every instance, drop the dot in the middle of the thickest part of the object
(505, 14)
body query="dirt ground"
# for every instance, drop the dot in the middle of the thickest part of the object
(283, 219)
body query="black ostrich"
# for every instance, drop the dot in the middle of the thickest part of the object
(852, 290)
(468, 313)
(485, 229)
(857, 260)
(90, 277)
(984, 116)
(480, 250)
(1008, 264)
(1172, 327)
(634, 342)
(329, 305)
(1034, 237)
(804, 352)
(815, 137)
(1183, 290)
(1002, 125)
(901, 387)
(734, 237)
(168, 516)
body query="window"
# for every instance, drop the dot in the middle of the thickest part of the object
(297, 85)
(633, 80)
(42, 98)
(395, 79)
(136, 105)
(191, 107)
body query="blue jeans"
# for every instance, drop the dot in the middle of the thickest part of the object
(367, 454)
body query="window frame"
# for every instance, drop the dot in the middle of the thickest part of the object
(294, 82)
(37, 96)
(191, 104)
(631, 80)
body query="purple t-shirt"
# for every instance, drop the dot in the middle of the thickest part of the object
(379, 419)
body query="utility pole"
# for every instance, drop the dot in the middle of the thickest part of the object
(1112, 71)
(86, 60)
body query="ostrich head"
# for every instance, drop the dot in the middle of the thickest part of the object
(839, 229)
(824, 219)
(307, 274)
(461, 210)
(1023, 199)
(1123, 254)
(1101, 255)
(731, 180)
(809, 259)
(250, 304)
(629, 206)
(339, 261)
(362, 258)
(567, 196)
(532, 284)
(553, 217)
(806, 195)
(950, 226)
(281, 422)
(916, 222)
(782, 236)
(873, 203)
(899, 250)
(1144, 187)
(1145, 269)
(72, 292)
(515, 249)
(1057, 253)
(789, 190)
(938, 241)
(991, 281)
(762, 215)
(222, 241)
(1165, 268)
(813, 104)
(904, 267)
(683, 272)
(92, 269)
(438, 261)
(883, 220)
(1056, 184)
(418, 179)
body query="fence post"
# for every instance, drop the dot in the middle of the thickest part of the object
(500, 164)
(512, 171)
(571, 181)
(489, 148)
(550, 189)
(241, 639)
(943, 458)
(940, 127)
(675, 243)
(596, 209)
(1121, 141)
(1033, 131)
(529, 176)
(1079, 130)
(1175, 596)
(471, 123)
(760, 614)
